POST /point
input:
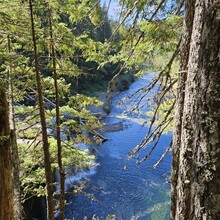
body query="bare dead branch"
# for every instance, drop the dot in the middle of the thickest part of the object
(157, 138)
(151, 135)
(163, 156)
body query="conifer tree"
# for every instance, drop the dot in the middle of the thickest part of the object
(48, 172)
(58, 124)
(64, 24)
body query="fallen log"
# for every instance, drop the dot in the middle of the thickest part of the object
(99, 138)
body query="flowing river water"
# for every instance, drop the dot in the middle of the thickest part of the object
(135, 193)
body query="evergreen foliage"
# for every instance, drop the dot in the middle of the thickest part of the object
(78, 44)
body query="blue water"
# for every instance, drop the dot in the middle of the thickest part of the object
(118, 186)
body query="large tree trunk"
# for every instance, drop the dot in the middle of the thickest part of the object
(184, 50)
(196, 168)
(6, 189)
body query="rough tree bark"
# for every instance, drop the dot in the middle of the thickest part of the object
(6, 189)
(196, 151)
(184, 50)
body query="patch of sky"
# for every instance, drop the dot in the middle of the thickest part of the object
(114, 8)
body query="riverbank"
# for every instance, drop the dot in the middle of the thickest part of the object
(103, 110)
(115, 86)
(119, 84)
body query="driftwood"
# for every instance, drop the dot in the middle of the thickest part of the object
(97, 136)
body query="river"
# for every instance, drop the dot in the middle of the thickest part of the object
(135, 193)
